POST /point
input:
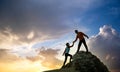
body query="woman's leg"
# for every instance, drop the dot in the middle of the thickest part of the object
(70, 57)
(65, 59)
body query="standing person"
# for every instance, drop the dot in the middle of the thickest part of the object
(80, 36)
(66, 53)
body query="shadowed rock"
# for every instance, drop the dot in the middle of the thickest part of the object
(83, 62)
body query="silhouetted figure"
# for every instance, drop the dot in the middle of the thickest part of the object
(66, 53)
(80, 36)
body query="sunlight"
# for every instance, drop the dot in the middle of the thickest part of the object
(22, 66)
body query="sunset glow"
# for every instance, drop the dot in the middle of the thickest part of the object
(33, 33)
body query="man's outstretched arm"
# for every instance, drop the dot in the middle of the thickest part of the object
(85, 35)
(75, 39)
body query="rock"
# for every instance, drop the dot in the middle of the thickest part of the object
(83, 62)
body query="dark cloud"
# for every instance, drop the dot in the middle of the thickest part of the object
(47, 19)
(24, 16)
(49, 58)
(106, 45)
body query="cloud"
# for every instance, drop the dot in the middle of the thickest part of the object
(22, 17)
(12, 63)
(25, 23)
(39, 19)
(45, 58)
(106, 45)
(6, 56)
(49, 58)
(34, 58)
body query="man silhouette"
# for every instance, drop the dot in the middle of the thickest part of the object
(80, 36)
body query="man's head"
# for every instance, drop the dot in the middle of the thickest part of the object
(76, 31)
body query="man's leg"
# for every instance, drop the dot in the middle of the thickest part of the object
(79, 45)
(84, 42)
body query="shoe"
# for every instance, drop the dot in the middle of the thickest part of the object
(87, 51)
(63, 66)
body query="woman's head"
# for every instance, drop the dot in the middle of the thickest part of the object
(67, 44)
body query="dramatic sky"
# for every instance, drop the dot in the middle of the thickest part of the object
(33, 33)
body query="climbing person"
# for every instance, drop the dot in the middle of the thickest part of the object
(66, 53)
(80, 36)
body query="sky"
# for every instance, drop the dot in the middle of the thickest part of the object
(33, 33)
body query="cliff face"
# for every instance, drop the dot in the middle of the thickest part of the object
(83, 62)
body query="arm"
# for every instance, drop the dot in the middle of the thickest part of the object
(75, 39)
(64, 51)
(72, 45)
(85, 35)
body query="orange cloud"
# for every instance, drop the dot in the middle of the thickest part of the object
(50, 60)
(10, 62)
(46, 59)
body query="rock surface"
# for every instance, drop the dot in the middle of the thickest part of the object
(83, 62)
